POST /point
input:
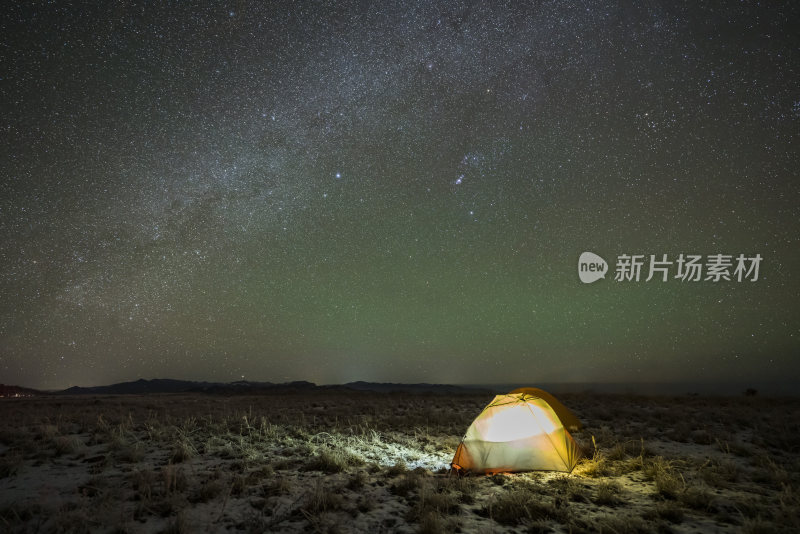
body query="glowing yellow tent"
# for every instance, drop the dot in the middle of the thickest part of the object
(568, 418)
(516, 432)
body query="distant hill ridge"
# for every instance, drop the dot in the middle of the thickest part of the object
(168, 385)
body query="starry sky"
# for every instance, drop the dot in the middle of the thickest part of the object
(395, 191)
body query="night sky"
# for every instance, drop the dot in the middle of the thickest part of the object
(340, 191)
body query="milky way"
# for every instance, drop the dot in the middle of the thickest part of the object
(343, 191)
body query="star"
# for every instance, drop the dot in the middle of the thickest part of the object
(159, 138)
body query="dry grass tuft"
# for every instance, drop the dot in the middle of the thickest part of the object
(182, 451)
(608, 494)
(697, 498)
(322, 499)
(67, 444)
(519, 504)
(357, 480)
(404, 485)
(669, 483)
(668, 510)
(332, 461)
(173, 479)
(278, 486)
(144, 482)
(398, 468)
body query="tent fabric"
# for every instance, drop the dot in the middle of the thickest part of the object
(516, 432)
(568, 419)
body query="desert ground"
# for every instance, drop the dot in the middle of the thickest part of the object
(379, 462)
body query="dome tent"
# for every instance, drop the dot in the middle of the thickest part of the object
(516, 432)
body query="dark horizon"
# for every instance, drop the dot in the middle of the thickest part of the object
(783, 388)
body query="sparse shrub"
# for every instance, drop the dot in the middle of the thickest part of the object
(422, 471)
(431, 500)
(173, 479)
(143, 482)
(279, 486)
(626, 449)
(770, 472)
(132, 453)
(568, 489)
(668, 482)
(332, 461)
(398, 468)
(357, 481)
(617, 452)
(629, 465)
(283, 464)
(720, 474)
(265, 471)
(406, 484)
(301, 449)
(67, 444)
(155, 430)
(612, 524)
(696, 499)
(117, 439)
(749, 507)
(247, 450)
(219, 446)
(514, 506)
(321, 499)
(238, 485)
(189, 425)
(101, 425)
(208, 490)
(47, 432)
(787, 513)
(608, 494)
(594, 467)
(432, 522)
(182, 451)
(465, 487)
(668, 511)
